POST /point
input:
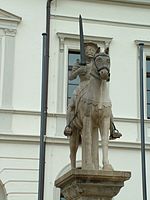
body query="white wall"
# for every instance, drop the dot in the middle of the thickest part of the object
(124, 24)
(20, 124)
(19, 169)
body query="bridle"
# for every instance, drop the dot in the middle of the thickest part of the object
(100, 68)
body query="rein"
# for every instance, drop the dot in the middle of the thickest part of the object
(99, 69)
(95, 76)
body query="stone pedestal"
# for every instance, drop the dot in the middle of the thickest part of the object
(80, 184)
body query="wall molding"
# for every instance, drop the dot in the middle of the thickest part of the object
(138, 3)
(146, 43)
(28, 139)
(62, 115)
(98, 21)
(9, 17)
(69, 36)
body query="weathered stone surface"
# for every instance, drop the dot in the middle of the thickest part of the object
(80, 184)
(89, 111)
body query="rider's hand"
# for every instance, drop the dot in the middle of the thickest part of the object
(83, 69)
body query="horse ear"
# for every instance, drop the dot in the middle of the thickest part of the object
(107, 50)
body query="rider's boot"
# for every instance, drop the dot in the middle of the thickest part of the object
(114, 133)
(68, 131)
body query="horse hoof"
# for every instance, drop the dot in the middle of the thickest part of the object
(108, 167)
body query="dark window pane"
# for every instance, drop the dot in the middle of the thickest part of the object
(75, 81)
(62, 197)
(148, 83)
(68, 100)
(148, 111)
(73, 56)
(148, 97)
(71, 89)
(148, 64)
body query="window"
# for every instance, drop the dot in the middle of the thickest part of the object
(148, 85)
(73, 57)
(69, 43)
(8, 29)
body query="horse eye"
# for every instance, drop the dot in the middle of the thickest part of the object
(99, 59)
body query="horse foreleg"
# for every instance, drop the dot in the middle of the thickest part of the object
(74, 143)
(95, 149)
(87, 144)
(105, 124)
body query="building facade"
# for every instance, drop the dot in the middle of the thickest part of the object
(119, 24)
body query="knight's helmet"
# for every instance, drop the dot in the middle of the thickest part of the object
(91, 48)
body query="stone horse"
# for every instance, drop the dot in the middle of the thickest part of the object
(93, 113)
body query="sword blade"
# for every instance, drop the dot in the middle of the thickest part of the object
(82, 52)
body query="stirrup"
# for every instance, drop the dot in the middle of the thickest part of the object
(68, 131)
(115, 134)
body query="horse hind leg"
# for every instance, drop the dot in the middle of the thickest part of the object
(74, 143)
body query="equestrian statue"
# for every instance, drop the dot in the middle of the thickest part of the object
(90, 111)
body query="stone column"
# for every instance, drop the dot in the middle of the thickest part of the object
(80, 184)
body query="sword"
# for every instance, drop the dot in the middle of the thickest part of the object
(82, 52)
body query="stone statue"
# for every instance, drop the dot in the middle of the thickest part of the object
(89, 113)
(83, 71)
(74, 128)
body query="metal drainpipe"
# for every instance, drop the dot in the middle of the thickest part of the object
(141, 45)
(44, 98)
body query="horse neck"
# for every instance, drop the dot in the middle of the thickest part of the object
(98, 90)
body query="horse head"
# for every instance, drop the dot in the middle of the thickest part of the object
(102, 64)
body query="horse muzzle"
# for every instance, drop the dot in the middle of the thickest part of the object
(104, 74)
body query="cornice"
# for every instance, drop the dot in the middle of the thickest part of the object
(9, 17)
(103, 22)
(87, 37)
(146, 43)
(69, 36)
(132, 2)
(139, 3)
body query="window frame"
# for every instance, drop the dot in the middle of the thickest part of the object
(147, 90)
(146, 54)
(8, 30)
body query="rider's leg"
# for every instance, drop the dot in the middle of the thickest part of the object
(114, 133)
(70, 115)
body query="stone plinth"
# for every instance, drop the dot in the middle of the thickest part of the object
(80, 184)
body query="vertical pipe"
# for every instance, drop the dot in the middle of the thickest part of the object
(141, 45)
(44, 99)
(43, 123)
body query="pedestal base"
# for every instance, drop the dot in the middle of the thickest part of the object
(80, 184)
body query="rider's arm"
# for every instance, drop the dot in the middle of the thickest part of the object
(77, 70)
